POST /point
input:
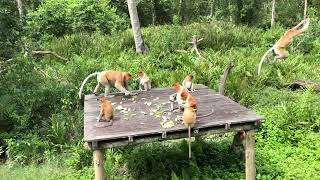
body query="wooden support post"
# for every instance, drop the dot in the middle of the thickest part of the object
(98, 160)
(250, 155)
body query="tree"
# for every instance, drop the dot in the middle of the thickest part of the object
(134, 18)
(20, 8)
(305, 9)
(273, 12)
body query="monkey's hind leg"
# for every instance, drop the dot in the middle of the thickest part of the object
(281, 53)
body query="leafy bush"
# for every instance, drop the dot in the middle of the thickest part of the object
(9, 29)
(59, 17)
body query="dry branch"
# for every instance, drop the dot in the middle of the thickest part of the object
(223, 77)
(304, 84)
(40, 53)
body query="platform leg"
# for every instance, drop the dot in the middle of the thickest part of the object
(250, 155)
(98, 160)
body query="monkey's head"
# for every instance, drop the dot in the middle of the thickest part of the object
(176, 86)
(140, 73)
(242, 134)
(192, 102)
(189, 77)
(184, 95)
(127, 76)
(102, 99)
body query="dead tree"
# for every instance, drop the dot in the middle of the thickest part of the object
(305, 9)
(41, 53)
(273, 12)
(239, 137)
(223, 77)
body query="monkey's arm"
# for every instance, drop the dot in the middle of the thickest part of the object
(100, 115)
(119, 86)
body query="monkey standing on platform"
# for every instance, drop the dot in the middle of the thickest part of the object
(278, 48)
(106, 110)
(189, 116)
(187, 82)
(118, 79)
(145, 82)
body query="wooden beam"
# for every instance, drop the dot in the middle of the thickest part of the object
(170, 136)
(250, 155)
(98, 160)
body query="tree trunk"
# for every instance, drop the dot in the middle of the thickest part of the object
(180, 10)
(153, 6)
(211, 8)
(230, 10)
(20, 9)
(139, 43)
(273, 12)
(305, 9)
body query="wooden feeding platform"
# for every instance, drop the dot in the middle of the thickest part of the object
(140, 119)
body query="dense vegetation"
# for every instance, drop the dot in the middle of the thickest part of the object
(41, 120)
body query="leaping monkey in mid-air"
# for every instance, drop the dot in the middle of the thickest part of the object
(278, 48)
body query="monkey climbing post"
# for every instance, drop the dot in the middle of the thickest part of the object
(139, 126)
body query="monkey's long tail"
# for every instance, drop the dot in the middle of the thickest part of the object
(262, 59)
(84, 82)
(205, 115)
(189, 135)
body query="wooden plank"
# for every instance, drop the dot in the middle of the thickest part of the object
(250, 155)
(226, 111)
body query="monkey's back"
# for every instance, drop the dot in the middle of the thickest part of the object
(189, 117)
(107, 110)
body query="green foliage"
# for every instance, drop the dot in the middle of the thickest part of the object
(25, 150)
(9, 29)
(59, 17)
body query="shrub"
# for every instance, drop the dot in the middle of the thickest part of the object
(60, 17)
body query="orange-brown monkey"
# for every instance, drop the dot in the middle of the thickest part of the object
(238, 139)
(187, 82)
(189, 116)
(118, 79)
(279, 47)
(177, 96)
(145, 82)
(106, 110)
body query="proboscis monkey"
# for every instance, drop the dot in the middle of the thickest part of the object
(108, 78)
(177, 96)
(106, 110)
(145, 82)
(278, 48)
(187, 82)
(238, 139)
(189, 116)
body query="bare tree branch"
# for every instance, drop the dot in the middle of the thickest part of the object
(223, 77)
(37, 53)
